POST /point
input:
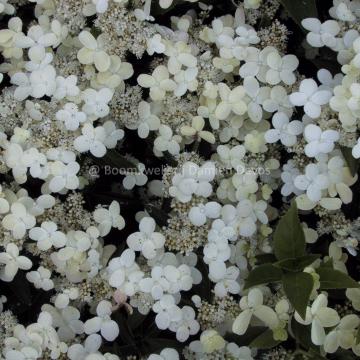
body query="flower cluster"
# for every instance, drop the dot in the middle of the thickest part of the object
(122, 261)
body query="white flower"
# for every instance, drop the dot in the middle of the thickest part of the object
(245, 183)
(19, 161)
(108, 218)
(166, 311)
(321, 34)
(185, 80)
(149, 122)
(96, 102)
(144, 14)
(186, 326)
(310, 97)
(346, 52)
(210, 341)
(228, 283)
(353, 102)
(256, 96)
(232, 157)
(166, 141)
(246, 36)
(25, 353)
(319, 316)
(196, 130)
(255, 63)
(13, 262)
(100, 5)
(108, 328)
(120, 269)
(252, 4)
(231, 101)
(66, 87)
(8, 36)
(199, 214)
(220, 232)
(181, 58)
(166, 354)
(40, 83)
(63, 176)
(114, 77)
(288, 175)
(113, 135)
(71, 116)
(63, 299)
(18, 221)
(243, 218)
(284, 130)
(45, 34)
(319, 141)
(39, 58)
(342, 10)
(340, 179)
(168, 279)
(136, 177)
(343, 335)
(193, 180)
(47, 236)
(328, 82)
(92, 139)
(278, 101)
(36, 162)
(281, 68)
(80, 352)
(41, 278)
(159, 83)
(155, 45)
(93, 51)
(66, 320)
(146, 240)
(164, 4)
(6, 8)
(58, 154)
(313, 182)
(353, 294)
(252, 305)
(159, 282)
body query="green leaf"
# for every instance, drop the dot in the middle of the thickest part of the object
(244, 340)
(328, 263)
(351, 162)
(125, 331)
(265, 341)
(297, 264)
(335, 279)
(300, 9)
(265, 258)
(263, 274)
(298, 288)
(302, 334)
(289, 238)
